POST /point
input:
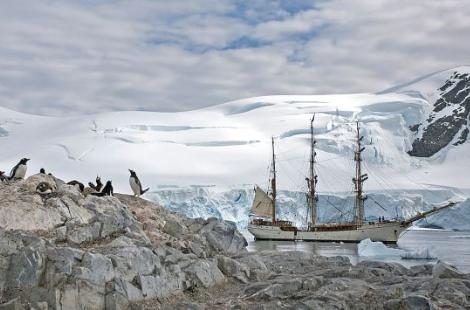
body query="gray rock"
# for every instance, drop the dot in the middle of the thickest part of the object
(83, 234)
(13, 304)
(234, 269)
(393, 268)
(40, 306)
(96, 269)
(160, 286)
(443, 270)
(132, 261)
(61, 234)
(184, 306)
(91, 296)
(223, 236)
(204, 273)
(174, 228)
(26, 268)
(412, 302)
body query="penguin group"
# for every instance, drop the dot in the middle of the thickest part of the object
(19, 172)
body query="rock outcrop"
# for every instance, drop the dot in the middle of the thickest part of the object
(63, 250)
(298, 280)
(449, 120)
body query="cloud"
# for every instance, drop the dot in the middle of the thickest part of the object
(73, 57)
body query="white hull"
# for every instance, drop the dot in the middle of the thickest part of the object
(385, 232)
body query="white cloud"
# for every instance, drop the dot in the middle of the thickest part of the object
(62, 57)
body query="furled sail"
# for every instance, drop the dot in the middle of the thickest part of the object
(262, 204)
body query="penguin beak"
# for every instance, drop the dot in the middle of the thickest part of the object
(27, 159)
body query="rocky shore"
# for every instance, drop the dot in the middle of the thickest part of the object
(64, 250)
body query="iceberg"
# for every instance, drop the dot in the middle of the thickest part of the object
(422, 253)
(370, 248)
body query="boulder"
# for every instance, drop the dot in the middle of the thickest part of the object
(442, 270)
(223, 236)
(13, 304)
(233, 268)
(204, 273)
(411, 302)
(174, 228)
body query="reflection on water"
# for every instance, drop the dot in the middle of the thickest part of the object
(449, 246)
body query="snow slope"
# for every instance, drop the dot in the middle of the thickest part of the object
(229, 145)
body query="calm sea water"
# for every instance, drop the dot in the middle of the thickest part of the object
(449, 246)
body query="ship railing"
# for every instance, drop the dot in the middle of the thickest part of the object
(280, 223)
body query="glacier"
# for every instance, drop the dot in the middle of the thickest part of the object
(205, 162)
(234, 204)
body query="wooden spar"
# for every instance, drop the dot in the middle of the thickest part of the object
(312, 179)
(359, 180)
(273, 183)
(426, 213)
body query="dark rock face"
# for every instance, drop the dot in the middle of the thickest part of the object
(444, 126)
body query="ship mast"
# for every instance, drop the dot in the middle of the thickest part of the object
(312, 179)
(359, 180)
(273, 183)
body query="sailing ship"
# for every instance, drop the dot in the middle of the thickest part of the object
(264, 224)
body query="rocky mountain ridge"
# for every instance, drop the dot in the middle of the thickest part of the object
(448, 122)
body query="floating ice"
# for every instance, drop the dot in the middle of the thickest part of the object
(368, 247)
(423, 253)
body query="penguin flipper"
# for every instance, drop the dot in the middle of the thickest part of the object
(144, 191)
(13, 172)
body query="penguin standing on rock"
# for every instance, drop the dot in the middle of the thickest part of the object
(107, 190)
(19, 171)
(136, 187)
(98, 185)
(2, 176)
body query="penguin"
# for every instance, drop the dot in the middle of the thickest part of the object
(42, 171)
(107, 190)
(77, 184)
(98, 185)
(44, 188)
(136, 187)
(2, 176)
(19, 171)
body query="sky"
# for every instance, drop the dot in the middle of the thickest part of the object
(90, 56)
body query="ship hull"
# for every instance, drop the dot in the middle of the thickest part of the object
(384, 232)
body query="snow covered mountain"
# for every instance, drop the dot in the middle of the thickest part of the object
(450, 104)
(204, 162)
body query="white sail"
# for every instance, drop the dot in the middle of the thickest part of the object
(262, 204)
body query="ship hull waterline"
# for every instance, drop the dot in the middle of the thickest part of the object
(384, 232)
